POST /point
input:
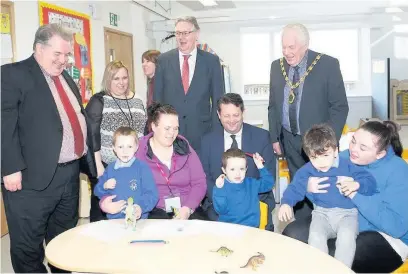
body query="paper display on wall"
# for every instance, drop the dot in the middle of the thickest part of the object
(6, 46)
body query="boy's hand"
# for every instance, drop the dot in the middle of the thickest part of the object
(110, 184)
(285, 213)
(258, 160)
(220, 181)
(138, 211)
(347, 185)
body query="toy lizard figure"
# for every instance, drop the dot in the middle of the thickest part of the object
(130, 218)
(255, 261)
(223, 251)
(222, 272)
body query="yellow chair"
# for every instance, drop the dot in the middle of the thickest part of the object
(405, 155)
(264, 215)
(403, 268)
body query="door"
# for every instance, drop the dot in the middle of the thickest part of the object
(119, 47)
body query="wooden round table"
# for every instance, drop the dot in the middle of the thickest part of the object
(104, 247)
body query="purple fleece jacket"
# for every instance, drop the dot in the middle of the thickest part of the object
(187, 177)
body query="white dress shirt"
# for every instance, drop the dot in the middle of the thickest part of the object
(191, 63)
(228, 139)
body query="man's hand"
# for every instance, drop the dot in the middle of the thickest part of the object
(12, 182)
(258, 160)
(314, 186)
(277, 148)
(138, 211)
(220, 181)
(110, 184)
(285, 213)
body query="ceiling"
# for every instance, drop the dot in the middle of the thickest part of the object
(278, 11)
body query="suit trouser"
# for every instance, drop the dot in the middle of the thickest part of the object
(296, 158)
(34, 216)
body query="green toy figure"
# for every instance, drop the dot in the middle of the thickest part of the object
(130, 218)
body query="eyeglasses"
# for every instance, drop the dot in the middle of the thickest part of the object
(183, 33)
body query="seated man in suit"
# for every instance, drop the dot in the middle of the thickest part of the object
(235, 134)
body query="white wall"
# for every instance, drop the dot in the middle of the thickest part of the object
(132, 19)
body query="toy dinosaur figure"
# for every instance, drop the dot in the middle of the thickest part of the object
(223, 251)
(255, 261)
(130, 218)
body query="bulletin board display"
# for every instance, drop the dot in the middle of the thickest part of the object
(80, 63)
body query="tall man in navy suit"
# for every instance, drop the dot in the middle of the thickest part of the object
(191, 80)
(235, 133)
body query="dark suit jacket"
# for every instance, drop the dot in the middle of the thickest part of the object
(323, 96)
(31, 135)
(196, 114)
(254, 139)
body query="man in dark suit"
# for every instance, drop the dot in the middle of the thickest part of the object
(190, 80)
(235, 134)
(44, 144)
(306, 88)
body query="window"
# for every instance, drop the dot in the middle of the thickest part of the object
(342, 44)
(255, 58)
(400, 47)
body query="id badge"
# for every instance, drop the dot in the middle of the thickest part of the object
(171, 202)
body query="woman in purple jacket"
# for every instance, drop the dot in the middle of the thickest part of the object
(176, 168)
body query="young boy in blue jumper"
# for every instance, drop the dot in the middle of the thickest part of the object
(128, 177)
(334, 214)
(235, 196)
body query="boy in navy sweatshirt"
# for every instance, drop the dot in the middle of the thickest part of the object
(128, 177)
(334, 214)
(235, 196)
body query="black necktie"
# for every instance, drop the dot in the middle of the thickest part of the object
(293, 107)
(234, 141)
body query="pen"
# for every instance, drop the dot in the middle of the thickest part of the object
(252, 156)
(148, 242)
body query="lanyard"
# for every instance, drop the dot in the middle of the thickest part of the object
(164, 175)
(130, 113)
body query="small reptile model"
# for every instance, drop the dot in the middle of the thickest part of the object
(255, 261)
(222, 272)
(223, 251)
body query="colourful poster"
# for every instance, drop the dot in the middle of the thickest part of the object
(5, 23)
(80, 65)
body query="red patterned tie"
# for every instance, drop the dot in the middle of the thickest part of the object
(72, 116)
(185, 76)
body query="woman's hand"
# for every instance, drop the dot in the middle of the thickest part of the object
(100, 169)
(220, 181)
(183, 213)
(112, 207)
(314, 186)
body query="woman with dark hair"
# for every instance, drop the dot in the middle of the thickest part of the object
(176, 168)
(115, 106)
(382, 245)
(149, 61)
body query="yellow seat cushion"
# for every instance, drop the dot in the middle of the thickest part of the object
(403, 268)
(264, 215)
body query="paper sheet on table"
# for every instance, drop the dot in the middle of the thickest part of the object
(183, 228)
(105, 231)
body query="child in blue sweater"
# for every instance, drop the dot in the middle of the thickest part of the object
(334, 214)
(235, 196)
(128, 177)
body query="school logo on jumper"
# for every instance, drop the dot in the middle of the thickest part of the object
(133, 184)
